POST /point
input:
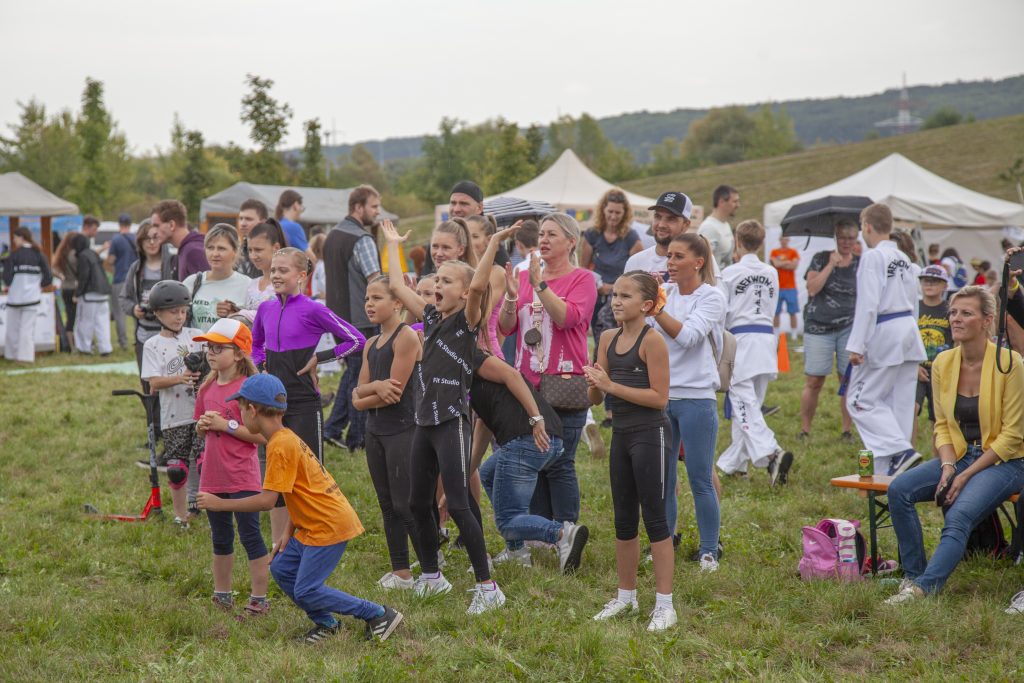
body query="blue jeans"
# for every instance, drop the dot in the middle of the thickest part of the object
(343, 412)
(301, 570)
(985, 491)
(557, 495)
(510, 477)
(695, 423)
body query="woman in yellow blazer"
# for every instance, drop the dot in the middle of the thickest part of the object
(979, 434)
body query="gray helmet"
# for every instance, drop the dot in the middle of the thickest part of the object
(169, 294)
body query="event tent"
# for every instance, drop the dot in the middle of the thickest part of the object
(570, 186)
(948, 214)
(326, 206)
(19, 197)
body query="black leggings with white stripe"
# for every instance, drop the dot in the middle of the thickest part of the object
(444, 449)
(308, 424)
(638, 466)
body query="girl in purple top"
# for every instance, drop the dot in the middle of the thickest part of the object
(284, 338)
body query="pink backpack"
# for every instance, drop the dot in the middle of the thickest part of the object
(834, 548)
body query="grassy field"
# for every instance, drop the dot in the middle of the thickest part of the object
(81, 599)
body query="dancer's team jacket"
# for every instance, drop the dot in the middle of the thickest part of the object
(285, 335)
(25, 272)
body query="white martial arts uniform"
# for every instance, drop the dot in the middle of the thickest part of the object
(752, 289)
(93, 320)
(881, 391)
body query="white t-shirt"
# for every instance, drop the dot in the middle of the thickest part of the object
(525, 265)
(719, 234)
(318, 287)
(649, 262)
(211, 293)
(165, 357)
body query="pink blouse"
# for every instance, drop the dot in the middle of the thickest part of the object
(562, 350)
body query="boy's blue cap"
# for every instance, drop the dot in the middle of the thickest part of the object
(264, 390)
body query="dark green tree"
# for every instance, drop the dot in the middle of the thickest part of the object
(508, 162)
(535, 141)
(773, 134)
(42, 147)
(92, 189)
(721, 137)
(942, 117)
(196, 178)
(313, 171)
(268, 124)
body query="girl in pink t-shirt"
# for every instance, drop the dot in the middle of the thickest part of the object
(230, 468)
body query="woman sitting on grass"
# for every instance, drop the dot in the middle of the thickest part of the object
(978, 414)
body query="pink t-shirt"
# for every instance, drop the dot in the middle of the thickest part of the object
(562, 350)
(230, 465)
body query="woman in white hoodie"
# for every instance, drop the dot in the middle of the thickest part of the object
(692, 322)
(25, 274)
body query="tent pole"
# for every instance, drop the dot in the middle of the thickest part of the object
(46, 237)
(12, 225)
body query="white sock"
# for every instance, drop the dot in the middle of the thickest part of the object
(627, 597)
(489, 585)
(663, 600)
(431, 576)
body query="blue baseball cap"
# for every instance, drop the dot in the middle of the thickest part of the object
(264, 390)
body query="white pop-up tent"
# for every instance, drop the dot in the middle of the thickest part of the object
(324, 205)
(568, 185)
(948, 214)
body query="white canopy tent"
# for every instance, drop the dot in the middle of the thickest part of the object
(948, 214)
(570, 186)
(323, 205)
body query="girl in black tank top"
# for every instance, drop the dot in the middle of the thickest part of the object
(389, 360)
(632, 368)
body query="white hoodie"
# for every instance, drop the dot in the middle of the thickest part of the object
(693, 369)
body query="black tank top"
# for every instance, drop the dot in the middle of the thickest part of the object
(629, 370)
(400, 416)
(965, 410)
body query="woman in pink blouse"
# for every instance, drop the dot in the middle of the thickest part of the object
(548, 307)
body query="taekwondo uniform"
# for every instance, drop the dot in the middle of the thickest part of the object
(881, 390)
(752, 289)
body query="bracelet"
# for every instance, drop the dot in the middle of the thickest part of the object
(948, 464)
(511, 301)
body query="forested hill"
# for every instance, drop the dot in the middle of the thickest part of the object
(837, 119)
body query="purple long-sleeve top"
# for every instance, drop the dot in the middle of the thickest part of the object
(285, 335)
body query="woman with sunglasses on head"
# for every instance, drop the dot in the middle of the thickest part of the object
(606, 247)
(549, 311)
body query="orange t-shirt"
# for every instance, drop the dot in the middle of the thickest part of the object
(318, 509)
(787, 278)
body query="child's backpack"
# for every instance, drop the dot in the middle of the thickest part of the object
(833, 549)
(960, 275)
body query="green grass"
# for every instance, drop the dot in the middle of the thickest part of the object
(81, 599)
(971, 154)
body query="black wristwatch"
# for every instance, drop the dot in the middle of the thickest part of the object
(541, 287)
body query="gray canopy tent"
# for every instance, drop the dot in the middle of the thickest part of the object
(326, 206)
(19, 197)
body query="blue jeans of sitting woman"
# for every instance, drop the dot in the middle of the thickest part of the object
(509, 477)
(695, 423)
(982, 494)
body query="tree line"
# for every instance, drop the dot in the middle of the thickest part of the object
(84, 157)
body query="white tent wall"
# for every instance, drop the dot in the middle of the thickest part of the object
(327, 206)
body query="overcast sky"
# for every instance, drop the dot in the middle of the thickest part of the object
(381, 69)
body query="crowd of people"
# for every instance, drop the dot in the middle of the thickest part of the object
(486, 343)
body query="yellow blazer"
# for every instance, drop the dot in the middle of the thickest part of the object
(1000, 403)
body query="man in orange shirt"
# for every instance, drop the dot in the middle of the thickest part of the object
(321, 520)
(785, 261)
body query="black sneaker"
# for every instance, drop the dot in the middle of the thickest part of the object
(778, 467)
(318, 633)
(382, 626)
(769, 410)
(606, 423)
(846, 437)
(337, 443)
(804, 436)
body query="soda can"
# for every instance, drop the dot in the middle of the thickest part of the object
(866, 463)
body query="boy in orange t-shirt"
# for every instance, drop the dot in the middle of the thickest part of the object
(321, 521)
(785, 261)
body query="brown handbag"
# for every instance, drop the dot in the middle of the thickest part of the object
(565, 392)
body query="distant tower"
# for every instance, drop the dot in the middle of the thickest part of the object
(904, 121)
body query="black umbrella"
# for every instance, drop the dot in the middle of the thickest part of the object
(817, 218)
(508, 210)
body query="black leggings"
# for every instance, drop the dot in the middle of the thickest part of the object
(308, 425)
(223, 531)
(444, 449)
(387, 457)
(638, 467)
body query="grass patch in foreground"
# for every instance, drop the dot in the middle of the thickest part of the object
(88, 600)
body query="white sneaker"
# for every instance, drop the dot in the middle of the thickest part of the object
(485, 599)
(592, 435)
(1016, 604)
(661, 619)
(424, 587)
(521, 557)
(540, 545)
(570, 546)
(490, 566)
(392, 581)
(708, 563)
(614, 608)
(908, 593)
